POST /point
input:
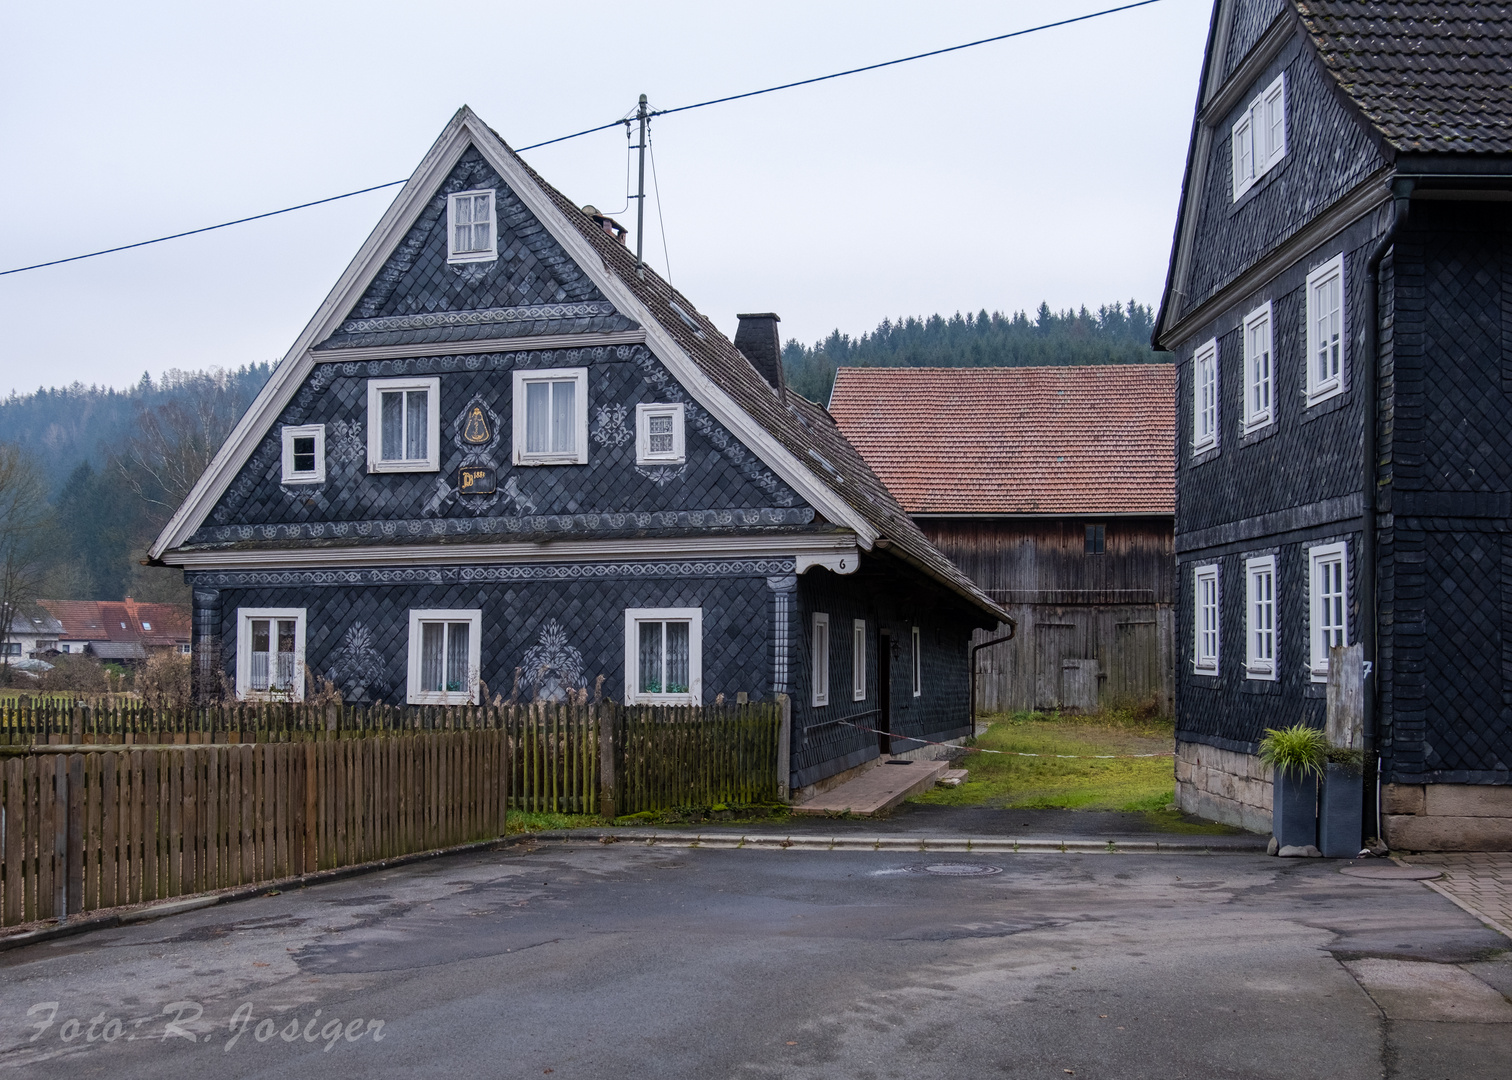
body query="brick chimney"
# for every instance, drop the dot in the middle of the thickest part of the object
(758, 340)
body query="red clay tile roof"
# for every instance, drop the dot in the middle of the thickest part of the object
(1016, 440)
(150, 625)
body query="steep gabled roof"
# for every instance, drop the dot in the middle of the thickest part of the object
(1432, 77)
(796, 439)
(1028, 440)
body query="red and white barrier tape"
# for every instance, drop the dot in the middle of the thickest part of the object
(1006, 753)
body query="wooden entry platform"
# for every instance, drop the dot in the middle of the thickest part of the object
(876, 789)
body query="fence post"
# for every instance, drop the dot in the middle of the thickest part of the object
(784, 747)
(606, 726)
(60, 837)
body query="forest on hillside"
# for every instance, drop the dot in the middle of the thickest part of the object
(1113, 334)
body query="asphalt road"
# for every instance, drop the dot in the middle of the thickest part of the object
(619, 961)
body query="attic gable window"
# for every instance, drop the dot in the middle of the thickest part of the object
(404, 425)
(1259, 136)
(470, 228)
(659, 436)
(1205, 398)
(1257, 368)
(304, 454)
(551, 417)
(1325, 331)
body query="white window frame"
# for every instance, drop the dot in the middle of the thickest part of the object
(858, 660)
(579, 453)
(1319, 386)
(643, 454)
(1260, 607)
(819, 658)
(917, 641)
(472, 255)
(244, 617)
(1259, 368)
(1207, 638)
(1204, 408)
(1255, 131)
(417, 618)
(1319, 558)
(290, 474)
(432, 460)
(633, 618)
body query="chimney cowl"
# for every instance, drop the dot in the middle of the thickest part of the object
(760, 342)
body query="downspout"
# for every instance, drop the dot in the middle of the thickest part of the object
(1401, 196)
(1012, 629)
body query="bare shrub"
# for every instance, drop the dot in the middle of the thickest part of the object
(164, 682)
(74, 674)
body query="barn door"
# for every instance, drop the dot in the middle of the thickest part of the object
(1054, 642)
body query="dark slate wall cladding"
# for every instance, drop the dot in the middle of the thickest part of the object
(359, 637)
(1231, 710)
(720, 473)
(1447, 593)
(1307, 453)
(1328, 153)
(531, 288)
(1252, 18)
(822, 747)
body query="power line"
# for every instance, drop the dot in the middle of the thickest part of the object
(600, 127)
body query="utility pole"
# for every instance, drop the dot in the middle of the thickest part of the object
(640, 199)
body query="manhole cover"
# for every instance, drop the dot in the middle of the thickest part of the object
(1392, 872)
(955, 869)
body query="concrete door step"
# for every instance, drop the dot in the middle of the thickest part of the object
(876, 789)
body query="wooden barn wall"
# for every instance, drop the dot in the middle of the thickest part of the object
(1113, 609)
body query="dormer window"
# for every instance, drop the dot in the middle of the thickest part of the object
(471, 235)
(659, 435)
(304, 454)
(1259, 136)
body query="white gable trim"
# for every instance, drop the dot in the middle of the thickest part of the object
(465, 128)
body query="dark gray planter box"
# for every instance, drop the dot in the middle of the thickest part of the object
(1341, 813)
(1294, 809)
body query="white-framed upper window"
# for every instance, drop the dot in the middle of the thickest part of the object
(471, 234)
(551, 417)
(819, 667)
(404, 425)
(1328, 577)
(1259, 379)
(659, 436)
(1205, 397)
(1259, 136)
(918, 662)
(270, 651)
(1205, 619)
(664, 656)
(1260, 617)
(304, 454)
(1325, 331)
(445, 653)
(858, 659)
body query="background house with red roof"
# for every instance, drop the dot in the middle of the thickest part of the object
(1054, 489)
(119, 630)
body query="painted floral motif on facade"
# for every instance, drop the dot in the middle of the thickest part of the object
(359, 669)
(551, 667)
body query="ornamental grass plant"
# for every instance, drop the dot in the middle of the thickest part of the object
(1297, 751)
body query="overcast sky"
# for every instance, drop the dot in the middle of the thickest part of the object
(1042, 168)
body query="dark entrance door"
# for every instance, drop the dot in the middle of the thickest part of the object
(884, 691)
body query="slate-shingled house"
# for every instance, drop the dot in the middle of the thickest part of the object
(1340, 304)
(497, 448)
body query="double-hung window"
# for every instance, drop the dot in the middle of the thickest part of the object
(1260, 617)
(659, 436)
(819, 667)
(1259, 136)
(664, 656)
(1205, 620)
(404, 425)
(1258, 394)
(471, 235)
(858, 659)
(445, 651)
(551, 417)
(1325, 331)
(918, 662)
(1205, 397)
(1328, 572)
(304, 454)
(270, 647)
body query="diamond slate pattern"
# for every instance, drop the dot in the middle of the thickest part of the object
(1251, 19)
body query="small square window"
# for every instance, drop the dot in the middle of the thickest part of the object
(445, 649)
(186, 649)
(664, 656)
(1205, 622)
(470, 228)
(304, 454)
(659, 435)
(1328, 566)
(1097, 537)
(1257, 368)
(1205, 398)
(1325, 331)
(918, 662)
(551, 417)
(270, 653)
(819, 666)
(404, 425)
(858, 660)
(1260, 616)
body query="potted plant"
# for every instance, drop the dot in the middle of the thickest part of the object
(1342, 804)
(1297, 754)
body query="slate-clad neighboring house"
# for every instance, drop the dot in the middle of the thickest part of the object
(1054, 489)
(118, 630)
(502, 460)
(1340, 304)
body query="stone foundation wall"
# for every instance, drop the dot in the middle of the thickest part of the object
(1223, 785)
(1447, 817)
